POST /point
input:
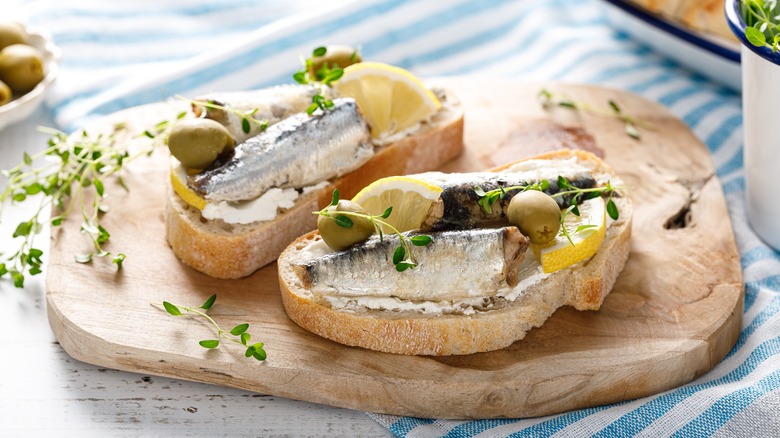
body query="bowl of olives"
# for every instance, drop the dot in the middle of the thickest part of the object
(28, 66)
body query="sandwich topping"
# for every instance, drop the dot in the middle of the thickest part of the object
(495, 244)
(488, 258)
(299, 151)
(289, 140)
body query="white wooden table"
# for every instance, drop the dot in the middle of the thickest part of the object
(45, 392)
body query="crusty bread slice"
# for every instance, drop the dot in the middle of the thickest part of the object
(583, 286)
(223, 250)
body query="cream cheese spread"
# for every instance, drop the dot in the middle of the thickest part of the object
(264, 208)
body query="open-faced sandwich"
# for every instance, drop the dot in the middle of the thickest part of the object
(247, 173)
(489, 256)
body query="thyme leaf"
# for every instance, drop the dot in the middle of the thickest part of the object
(247, 117)
(549, 100)
(71, 175)
(325, 76)
(403, 258)
(487, 199)
(237, 334)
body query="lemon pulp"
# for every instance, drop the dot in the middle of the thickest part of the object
(410, 198)
(560, 253)
(390, 98)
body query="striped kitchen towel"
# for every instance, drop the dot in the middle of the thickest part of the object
(127, 52)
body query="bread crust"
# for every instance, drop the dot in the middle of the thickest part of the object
(583, 286)
(233, 251)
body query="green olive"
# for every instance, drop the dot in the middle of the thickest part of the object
(338, 237)
(198, 142)
(536, 214)
(21, 67)
(5, 93)
(335, 56)
(11, 33)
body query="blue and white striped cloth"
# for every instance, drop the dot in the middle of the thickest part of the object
(127, 52)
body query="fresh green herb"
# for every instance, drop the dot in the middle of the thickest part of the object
(762, 19)
(247, 117)
(118, 260)
(320, 51)
(323, 77)
(237, 334)
(487, 199)
(403, 258)
(549, 100)
(565, 231)
(70, 174)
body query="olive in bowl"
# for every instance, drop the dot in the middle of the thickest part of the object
(11, 33)
(21, 67)
(40, 59)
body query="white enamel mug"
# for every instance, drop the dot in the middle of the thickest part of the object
(761, 149)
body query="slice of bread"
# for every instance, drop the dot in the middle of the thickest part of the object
(583, 286)
(226, 251)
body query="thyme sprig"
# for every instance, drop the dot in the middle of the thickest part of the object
(247, 116)
(403, 258)
(565, 231)
(487, 199)
(323, 77)
(762, 20)
(71, 174)
(549, 99)
(237, 334)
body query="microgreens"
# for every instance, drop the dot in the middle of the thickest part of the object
(237, 334)
(487, 199)
(403, 258)
(549, 99)
(71, 173)
(762, 19)
(247, 117)
(324, 76)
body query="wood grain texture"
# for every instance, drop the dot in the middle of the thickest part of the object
(674, 312)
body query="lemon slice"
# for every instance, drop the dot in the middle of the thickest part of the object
(560, 253)
(390, 98)
(179, 183)
(410, 198)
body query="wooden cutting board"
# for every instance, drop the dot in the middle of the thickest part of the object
(674, 313)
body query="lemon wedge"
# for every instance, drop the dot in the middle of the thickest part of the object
(390, 98)
(179, 183)
(410, 198)
(560, 253)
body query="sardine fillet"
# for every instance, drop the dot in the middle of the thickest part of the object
(457, 264)
(458, 207)
(269, 104)
(296, 152)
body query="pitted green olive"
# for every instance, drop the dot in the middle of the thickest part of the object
(338, 237)
(11, 33)
(335, 56)
(536, 214)
(5, 93)
(21, 67)
(198, 142)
